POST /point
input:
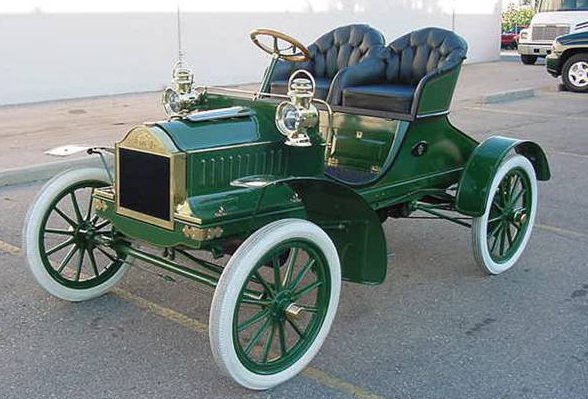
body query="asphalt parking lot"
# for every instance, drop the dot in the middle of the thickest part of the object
(437, 328)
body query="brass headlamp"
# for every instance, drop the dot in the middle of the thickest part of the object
(295, 117)
(181, 99)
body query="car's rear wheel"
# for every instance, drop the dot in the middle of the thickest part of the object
(528, 59)
(575, 73)
(271, 313)
(61, 234)
(500, 235)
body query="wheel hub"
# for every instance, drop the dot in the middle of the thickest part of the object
(519, 216)
(578, 74)
(84, 233)
(282, 305)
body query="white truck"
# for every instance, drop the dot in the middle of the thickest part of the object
(553, 18)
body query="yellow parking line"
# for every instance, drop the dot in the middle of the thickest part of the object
(9, 248)
(566, 153)
(338, 384)
(319, 376)
(167, 313)
(559, 230)
(524, 113)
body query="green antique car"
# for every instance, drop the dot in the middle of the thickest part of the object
(273, 197)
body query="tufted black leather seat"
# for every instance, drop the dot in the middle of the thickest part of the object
(393, 81)
(342, 47)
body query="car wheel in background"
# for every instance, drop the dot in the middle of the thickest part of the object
(528, 59)
(575, 73)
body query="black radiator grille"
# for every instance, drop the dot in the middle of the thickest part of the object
(144, 183)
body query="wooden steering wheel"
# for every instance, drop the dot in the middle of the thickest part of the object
(295, 51)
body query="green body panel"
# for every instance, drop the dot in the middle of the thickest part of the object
(437, 92)
(482, 165)
(408, 174)
(206, 135)
(232, 225)
(361, 142)
(351, 223)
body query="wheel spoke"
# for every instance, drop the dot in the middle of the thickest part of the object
(516, 226)
(517, 196)
(493, 247)
(101, 225)
(495, 204)
(76, 206)
(65, 217)
(277, 278)
(261, 280)
(282, 332)
(495, 230)
(517, 180)
(502, 239)
(494, 220)
(268, 344)
(58, 231)
(290, 268)
(93, 261)
(56, 248)
(296, 328)
(90, 205)
(255, 338)
(306, 290)
(70, 254)
(109, 256)
(509, 236)
(259, 302)
(311, 309)
(253, 320)
(502, 190)
(302, 273)
(79, 266)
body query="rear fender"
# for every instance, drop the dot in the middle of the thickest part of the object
(350, 222)
(480, 169)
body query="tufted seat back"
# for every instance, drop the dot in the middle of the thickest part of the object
(343, 47)
(426, 60)
(421, 52)
(340, 48)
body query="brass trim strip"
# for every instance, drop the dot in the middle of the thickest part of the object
(107, 193)
(228, 147)
(186, 218)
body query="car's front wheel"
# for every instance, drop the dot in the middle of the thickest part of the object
(575, 73)
(61, 237)
(275, 303)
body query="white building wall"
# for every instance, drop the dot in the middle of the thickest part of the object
(48, 56)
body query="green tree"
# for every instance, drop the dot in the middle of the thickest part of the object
(516, 16)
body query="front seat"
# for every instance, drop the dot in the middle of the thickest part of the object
(342, 47)
(423, 64)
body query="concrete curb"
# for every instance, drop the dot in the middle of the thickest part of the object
(46, 171)
(509, 95)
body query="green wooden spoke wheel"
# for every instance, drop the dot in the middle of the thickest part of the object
(61, 238)
(501, 234)
(275, 303)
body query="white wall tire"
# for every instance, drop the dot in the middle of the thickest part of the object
(263, 368)
(501, 234)
(42, 218)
